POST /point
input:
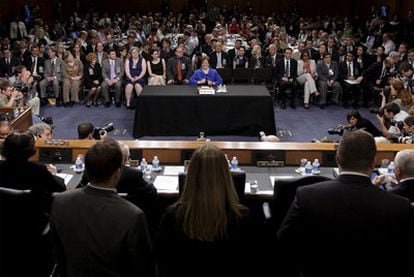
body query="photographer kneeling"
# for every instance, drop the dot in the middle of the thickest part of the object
(406, 129)
(356, 121)
(86, 130)
(391, 120)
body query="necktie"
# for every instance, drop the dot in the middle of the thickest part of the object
(112, 73)
(34, 65)
(52, 68)
(179, 68)
(7, 62)
(349, 70)
(273, 61)
(287, 69)
(384, 72)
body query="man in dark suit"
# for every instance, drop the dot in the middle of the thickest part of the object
(34, 63)
(97, 233)
(328, 75)
(218, 58)
(8, 64)
(232, 53)
(286, 71)
(179, 68)
(404, 173)
(343, 227)
(139, 191)
(350, 72)
(376, 76)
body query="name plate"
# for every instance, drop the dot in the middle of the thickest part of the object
(206, 90)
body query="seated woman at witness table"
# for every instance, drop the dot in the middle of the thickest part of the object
(205, 75)
(207, 223)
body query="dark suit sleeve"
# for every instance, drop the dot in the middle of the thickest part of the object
(291, 226)
(140, 248)
(189, 69)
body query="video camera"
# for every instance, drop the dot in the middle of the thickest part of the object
(99, 131)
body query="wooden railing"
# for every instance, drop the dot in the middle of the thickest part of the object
(248, 153)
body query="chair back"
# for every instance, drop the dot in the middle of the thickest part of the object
(242, 75)
(226, 74)
(239, 181)
(23, 245)
(284, 192)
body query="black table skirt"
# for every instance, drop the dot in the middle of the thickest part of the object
(180, 111)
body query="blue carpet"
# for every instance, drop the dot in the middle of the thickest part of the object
(304, 125)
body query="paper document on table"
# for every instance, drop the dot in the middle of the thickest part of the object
(166, 183)
(353, 82)
(66, 177)
(173, 170)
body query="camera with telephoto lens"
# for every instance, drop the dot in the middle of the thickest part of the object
(336, 131)
(23, 89)
(398, 124)
(405, 140)
(99, 131)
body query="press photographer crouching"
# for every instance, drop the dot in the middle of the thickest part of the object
(24, 82)
(391, 120)
(406, 129)
(356, 121)
(86, 130)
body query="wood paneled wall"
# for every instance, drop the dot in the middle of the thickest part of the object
(307, 7)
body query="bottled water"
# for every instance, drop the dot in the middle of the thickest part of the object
(234, 163)
(155, 163)
(79, 166)
(391, 168)
(308, 168)
(143, 165)
(316, 167)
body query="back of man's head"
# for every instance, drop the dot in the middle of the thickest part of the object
(85, 130)
(102, 160)
(38, 129)
(404, 162)
(18, 147)
(356, 152)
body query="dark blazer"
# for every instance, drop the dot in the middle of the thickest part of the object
(172, 68)
(280, 69)
(30, 176)
(373, 72)
(40, 66)
(269, 60)
(344, 226)
(91, 74)
(7, 70)
(97, 233)
(343, 70)
(405, 189)
(225, 61)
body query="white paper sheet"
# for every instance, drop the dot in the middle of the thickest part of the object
(66, 177)
(173, 170)
(166, 183)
